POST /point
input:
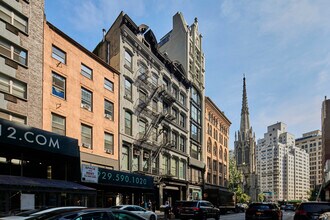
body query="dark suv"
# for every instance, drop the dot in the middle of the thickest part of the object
(197, 209)
(262, 210)
(311, 210)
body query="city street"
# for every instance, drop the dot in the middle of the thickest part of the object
(287, 215)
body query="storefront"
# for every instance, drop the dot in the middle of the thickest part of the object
(117, 187)
(39, 168)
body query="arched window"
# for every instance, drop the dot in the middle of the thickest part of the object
(220, 153)
(239, 156)
(215, 149)
(225, 155)
(209, 145)
(247, 155)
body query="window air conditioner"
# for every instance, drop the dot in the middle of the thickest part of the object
(86, 106)
(86, 145)
(108, 116)
(108, 151)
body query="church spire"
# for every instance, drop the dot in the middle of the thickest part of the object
(245, 121)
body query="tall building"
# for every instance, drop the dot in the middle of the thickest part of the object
(282, 168)
(183, 44)
(244, 147)
(81, 101)
(325, 122)
(154, 111)
(311, 142)
(217, 151)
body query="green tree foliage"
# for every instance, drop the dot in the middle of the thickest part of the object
(261, 197)
(235, 182)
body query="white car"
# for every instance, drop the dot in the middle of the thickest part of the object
(137, 210)
(31, 214)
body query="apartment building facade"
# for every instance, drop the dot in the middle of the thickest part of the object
(325, 123)
(37, 168)
(184, 44)
(154, 106)
(311, 142)
(217, 151)
(282, 168)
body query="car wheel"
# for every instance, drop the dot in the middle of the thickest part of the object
(152, 217)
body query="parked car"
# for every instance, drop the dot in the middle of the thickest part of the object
(197, 209)
(311, 210)
(176, 209)
(260, 210)
(38, 213)
(137, 210)
(289, 207)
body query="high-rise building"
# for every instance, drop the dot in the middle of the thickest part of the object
(244, 147)
(154, 111)
(184, 45)
(311, 142)
(325, 122)
(282, 168)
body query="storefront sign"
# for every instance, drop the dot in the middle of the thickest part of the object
(22, 135)
(89, 174)
(118, 178)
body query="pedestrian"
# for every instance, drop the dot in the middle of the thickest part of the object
(167, 209)
(153, 205)
(149, 205)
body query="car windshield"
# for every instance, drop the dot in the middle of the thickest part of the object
(316, 207)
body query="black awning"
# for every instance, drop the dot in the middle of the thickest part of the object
(17, 182)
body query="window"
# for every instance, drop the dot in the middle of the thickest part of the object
(12, 117)
(86, 71)
(86, 136)
(128, 59)
(12, 86)
(58, 85)
(154, 105)
(195, 114)
(174, 167)
(108, 109)
(143, 96)
(182, 144)
(13, 52)
(182, 99)
(124, 159)
(215, 149)
(154, 79)
(182, 170)
(209, 145)
(165, 164)
(195, 132)
(175, 91)
(108, 85)
(175, 139)
(86, 99)
(59, 54)
(194, 151)
(58, 124)
(128, 89)
(142, 128)
(128, 123)
(182, 120)
(13, 18)
(175, 114)
(108, 143)
(136, 160)
(195, 96)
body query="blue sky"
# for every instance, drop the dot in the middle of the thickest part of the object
(282, 47)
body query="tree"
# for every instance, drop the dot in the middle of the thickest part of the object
(261, 197)
(235, 182)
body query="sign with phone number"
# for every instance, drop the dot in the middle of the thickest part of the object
(127, 179)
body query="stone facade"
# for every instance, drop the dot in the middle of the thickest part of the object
(25, 68)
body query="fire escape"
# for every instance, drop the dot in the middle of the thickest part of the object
(154, 138)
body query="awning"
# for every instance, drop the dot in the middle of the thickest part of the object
(17, 182)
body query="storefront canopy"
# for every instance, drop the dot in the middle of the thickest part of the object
(15, 182)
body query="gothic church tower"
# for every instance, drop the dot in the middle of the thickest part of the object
(245, 145)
